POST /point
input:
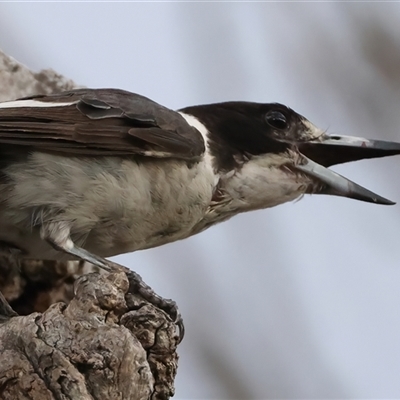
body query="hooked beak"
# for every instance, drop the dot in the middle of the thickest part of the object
(331, 150)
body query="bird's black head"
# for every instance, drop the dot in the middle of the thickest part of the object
(265, 139)
(244, 129)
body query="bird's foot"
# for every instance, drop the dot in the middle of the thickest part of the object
(137, 285)
(58, 235)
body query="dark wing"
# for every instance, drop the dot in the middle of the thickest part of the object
(98, 122)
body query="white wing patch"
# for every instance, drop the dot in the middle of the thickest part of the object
(193, 121)
(208, 159)
(33, 103)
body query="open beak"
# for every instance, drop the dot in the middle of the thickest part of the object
(330, 150)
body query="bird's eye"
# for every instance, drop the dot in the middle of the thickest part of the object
(277, 120)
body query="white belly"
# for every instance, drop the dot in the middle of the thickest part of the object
(113, 205)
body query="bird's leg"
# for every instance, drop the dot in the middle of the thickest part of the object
(58, 235)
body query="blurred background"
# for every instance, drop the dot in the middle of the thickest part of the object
(298, 301)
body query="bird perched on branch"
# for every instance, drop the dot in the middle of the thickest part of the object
(92, 173)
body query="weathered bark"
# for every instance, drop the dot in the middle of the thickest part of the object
(83, 334)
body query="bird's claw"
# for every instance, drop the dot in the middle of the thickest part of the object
(137, 285)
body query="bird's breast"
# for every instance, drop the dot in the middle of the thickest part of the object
(149, 203)
(113, 205)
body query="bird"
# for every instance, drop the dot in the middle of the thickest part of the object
(92, 173)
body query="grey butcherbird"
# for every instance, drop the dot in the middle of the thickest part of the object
(92, 173)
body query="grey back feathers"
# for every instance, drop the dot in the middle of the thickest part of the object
(99, 122)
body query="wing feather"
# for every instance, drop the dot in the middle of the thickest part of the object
(98, 122)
